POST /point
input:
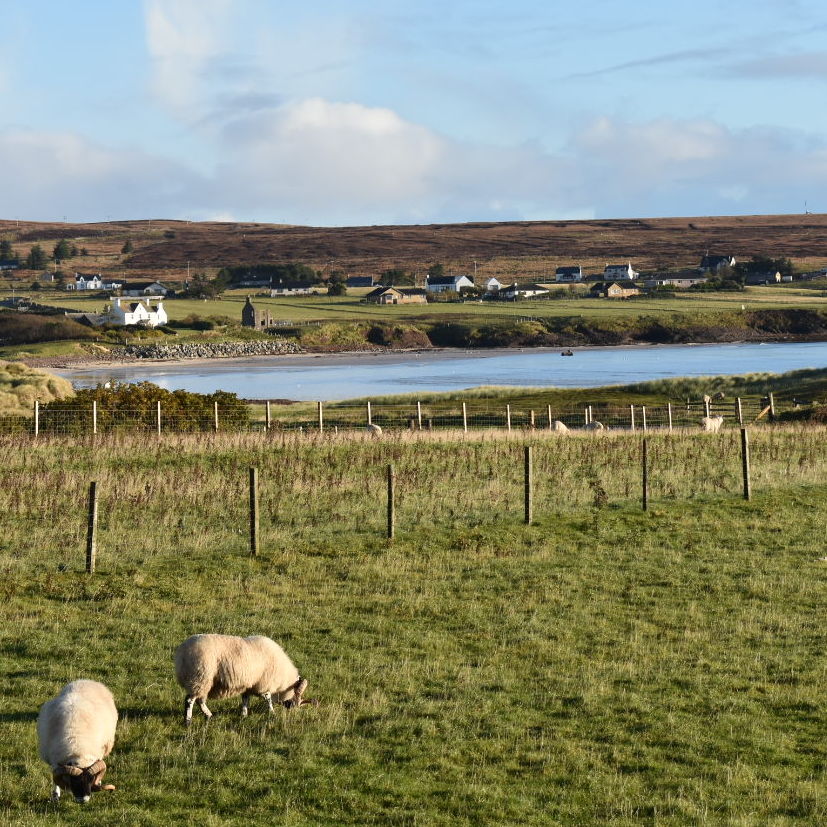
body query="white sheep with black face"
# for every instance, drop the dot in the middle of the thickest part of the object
(75, 732)
(224, 666)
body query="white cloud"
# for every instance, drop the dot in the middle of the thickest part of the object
(51, 175)
(183, 38)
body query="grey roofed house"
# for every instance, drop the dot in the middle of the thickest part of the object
(144, 288)
(437, 284)
(9, 264)
(361, 281)
(762, 278)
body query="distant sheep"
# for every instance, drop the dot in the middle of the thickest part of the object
(224, 666)
(374, 430)
(76, 731)
(712, 424)
(594, 426)
(559, 426)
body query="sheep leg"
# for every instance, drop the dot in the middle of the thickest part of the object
(268, 699)
(202, 705)
(55, 797)
(245, 705)
(188, 704)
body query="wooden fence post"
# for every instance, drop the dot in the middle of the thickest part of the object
(739, 412)
(585, 416)
(531, 419)
(643, 417)
(645, 461)
(321, 418)
(92, 529)
(464, 418)
(370, 417)
(215, 416)
(548, 411)
(508, 417)
(772, 407)
(36, 417)
(669, 415)
(158, 417)
(253, 512)
(632, 416)
(391, 503)
(268, 421)
(529, 492)
(94, 417)
(419, 415)
(745, 463)
(591, 414)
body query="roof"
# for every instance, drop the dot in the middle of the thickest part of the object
(140, 285)
(296, 285)
(412, 291)
(715, 260)
(569, 269)
(378, 291)
(439, 280)
(360, 281)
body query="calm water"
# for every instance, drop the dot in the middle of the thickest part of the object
(347, 376)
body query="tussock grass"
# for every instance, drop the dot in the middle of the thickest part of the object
(601, 665)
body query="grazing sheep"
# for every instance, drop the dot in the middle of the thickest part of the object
(223, 666)
(712, 424)
(559, 426)
(719, 395)
(594, 426)
(374, 430)
(76, 731)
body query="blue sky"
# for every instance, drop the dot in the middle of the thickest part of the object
(371, 113)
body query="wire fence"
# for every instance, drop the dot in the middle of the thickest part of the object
(415, 416)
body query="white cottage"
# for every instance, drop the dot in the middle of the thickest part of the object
(124, 313)
(619, 272)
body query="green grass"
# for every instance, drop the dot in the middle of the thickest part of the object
(350, 308)
(601, 665)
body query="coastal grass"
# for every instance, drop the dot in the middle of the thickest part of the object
(601, 665)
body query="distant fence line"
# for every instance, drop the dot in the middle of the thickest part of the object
(414, 416)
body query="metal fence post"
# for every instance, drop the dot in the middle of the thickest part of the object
(548, 412)
(739, 411)
(391, 497)
(464, 418)
(643, 417)
(321, 418)
(669, 415)
(94, 417)
(370, 418)
(215, 416)
(632, 416)
(254, 511)
(92, 529)
(419, 415)
(267, 417)
(508, 417)
(158, 417)
(36, 417)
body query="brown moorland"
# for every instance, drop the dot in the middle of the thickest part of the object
(525, 250)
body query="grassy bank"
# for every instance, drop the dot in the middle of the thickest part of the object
(599, 666)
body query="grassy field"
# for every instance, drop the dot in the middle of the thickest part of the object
(351, 308)
(602, 665)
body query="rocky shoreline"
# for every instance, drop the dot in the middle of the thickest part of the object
(211, 350)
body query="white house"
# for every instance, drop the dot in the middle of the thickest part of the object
(568, 275)
(304, 288)
(82, 282)
(619, 272)
(141, 313)
(493, 285)
(523, 291)
(439, 284)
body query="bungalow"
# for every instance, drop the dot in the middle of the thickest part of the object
(397, 295)
(568, 275)
(144, 288)
(619, 272)
(712, 264)
(613, 290)
(298, 288)
(82, 282)
(681, 282)
(493, 285)
(522, 291)
(124, 313)
(440, 284)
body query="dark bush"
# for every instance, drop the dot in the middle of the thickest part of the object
(29, 328)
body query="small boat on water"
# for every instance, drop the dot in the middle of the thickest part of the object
(567, 353)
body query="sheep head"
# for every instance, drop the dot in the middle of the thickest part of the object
(299, 688)
(81, 782)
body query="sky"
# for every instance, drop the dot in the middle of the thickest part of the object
(366, 112)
